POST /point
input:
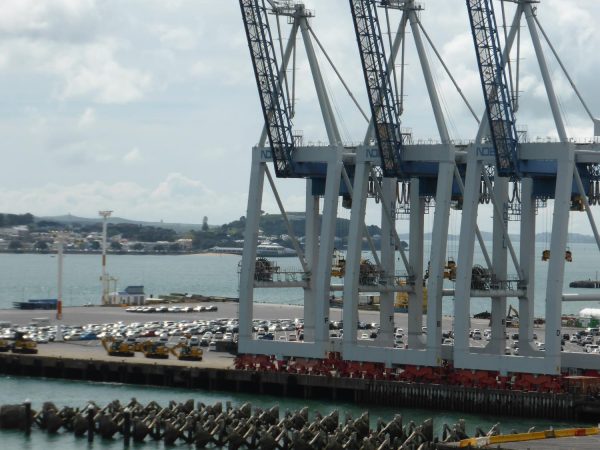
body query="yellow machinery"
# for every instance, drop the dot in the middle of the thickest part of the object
(23, 344)
(4, 346)
(338, 265)
(185, 352)
(401, 302)
(368, 273)
(577, 203)
(117, 347)
(156, 350)
(450, 270)
(512, 317)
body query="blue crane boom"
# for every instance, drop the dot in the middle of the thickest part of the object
(272, 97)
(381, 95)
(503, 131)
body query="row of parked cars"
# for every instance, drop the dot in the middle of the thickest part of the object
(207, 330)
(172, 309)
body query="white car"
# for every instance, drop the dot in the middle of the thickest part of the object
(77, 336)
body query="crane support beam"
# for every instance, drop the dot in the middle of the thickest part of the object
(274, 103)
(379, 86)
(503, 131)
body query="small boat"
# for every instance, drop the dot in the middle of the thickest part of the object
(46, 303)
(588, 284)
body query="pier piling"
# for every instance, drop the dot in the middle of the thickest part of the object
(90, 424)
(27, 405)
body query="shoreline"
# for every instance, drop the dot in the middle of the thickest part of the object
(109, 253)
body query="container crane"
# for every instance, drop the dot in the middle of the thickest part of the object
(503, 131)
(273, 100)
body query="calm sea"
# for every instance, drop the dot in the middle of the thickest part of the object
(26, 276)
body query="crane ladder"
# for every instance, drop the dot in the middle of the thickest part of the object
(272, 98)
(500, 114)
(381, 96)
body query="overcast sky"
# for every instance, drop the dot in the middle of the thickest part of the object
(149, 107)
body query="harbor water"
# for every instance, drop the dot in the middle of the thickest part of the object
(77, 394)
(27, 276)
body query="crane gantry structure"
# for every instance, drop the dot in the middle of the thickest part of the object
(321, 167)
(446, 175)
(562, 171)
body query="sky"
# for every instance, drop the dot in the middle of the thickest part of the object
(150, 108)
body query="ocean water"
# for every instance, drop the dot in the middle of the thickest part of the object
(26, 276)
(77, 394)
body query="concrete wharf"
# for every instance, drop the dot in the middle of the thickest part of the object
(215, 373)
(88, 361)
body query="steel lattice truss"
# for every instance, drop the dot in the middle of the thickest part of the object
(381, 96)
(272, 98)
(495, 87)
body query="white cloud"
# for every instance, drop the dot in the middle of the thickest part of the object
(64, 39)
(87, 118)
(176, 198)
(93, 71)
(81, 152)
(132, 156)
(94, 81)
(178, 38)
(54, 20)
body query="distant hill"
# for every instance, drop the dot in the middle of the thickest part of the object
(573, 238)
(270, 223)
(70, 219)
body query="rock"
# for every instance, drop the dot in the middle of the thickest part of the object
(12, 417)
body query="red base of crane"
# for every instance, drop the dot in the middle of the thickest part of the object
(335, 366)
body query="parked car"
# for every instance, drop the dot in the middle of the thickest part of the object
(89, 336)
(267, 337)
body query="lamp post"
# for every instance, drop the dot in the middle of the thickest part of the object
(59, 296)
(105, 215)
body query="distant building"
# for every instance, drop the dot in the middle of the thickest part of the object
(132, 295)
(185, 243)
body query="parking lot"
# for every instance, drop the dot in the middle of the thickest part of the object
(202, 324)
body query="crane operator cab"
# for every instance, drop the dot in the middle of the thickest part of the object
(545, 255)
(450, 270)
(568, 255)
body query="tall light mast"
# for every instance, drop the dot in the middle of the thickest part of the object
(59, 243)
(105, 215)
(59, 297)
